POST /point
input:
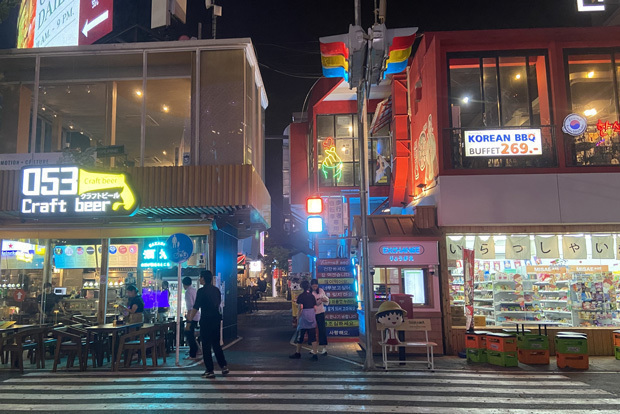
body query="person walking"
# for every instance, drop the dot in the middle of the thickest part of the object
(321, 301)
(208, 299)
(307, 321)
(190, 334)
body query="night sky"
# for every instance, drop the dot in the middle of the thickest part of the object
(285, 32)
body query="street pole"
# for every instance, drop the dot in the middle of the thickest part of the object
(362, 118)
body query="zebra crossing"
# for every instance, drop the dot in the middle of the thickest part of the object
(287, 391)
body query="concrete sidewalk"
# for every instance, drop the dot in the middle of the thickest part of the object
(265, 344)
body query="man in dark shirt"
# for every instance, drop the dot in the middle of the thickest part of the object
(135, 305)
(208, 299)
(47, 302)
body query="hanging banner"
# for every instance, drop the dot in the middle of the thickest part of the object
(455, 248)
(485, 249)
(468, 273)
(618, 247)
(574, 247)
(547, 247)
(603, 247)
(518, 248)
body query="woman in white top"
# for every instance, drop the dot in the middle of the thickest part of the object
(321, 301)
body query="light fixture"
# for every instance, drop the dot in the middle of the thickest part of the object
(165, 108)
(465, 99)
(43, 108)
(87, 88)
(589, 112)
(70, 126)
(518, 76)
(138, 92)
(81, 132)
(68, 90)
(344, 148)
(164, 152)
(591, 74)
(350, 128)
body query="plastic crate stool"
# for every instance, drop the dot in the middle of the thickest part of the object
(476, 340)
(501, 342)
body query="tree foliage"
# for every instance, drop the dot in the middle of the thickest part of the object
(5, 8)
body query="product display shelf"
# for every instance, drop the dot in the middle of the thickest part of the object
(554, 301)
(593, 300)
(483, 300)
(457, 289)
(514, 305)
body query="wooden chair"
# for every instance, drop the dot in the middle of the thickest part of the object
(160, 333)
(29, 340)
(171, 336)
(410, 325)
(141, 340)
(71, 342)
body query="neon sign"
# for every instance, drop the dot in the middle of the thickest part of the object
(73, 191)
(155, 255)
(332, 161)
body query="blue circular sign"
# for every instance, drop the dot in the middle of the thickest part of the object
(179, 247)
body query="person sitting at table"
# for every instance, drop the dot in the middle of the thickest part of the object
(47, 301)
(135, 305)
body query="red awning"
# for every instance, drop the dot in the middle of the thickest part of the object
(382, 117)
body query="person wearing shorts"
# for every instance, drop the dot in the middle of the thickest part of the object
(307, 322)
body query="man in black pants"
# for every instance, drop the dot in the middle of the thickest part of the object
(208, 299)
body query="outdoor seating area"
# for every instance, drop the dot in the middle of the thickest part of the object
(58, 346)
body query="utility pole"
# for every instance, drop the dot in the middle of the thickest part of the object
(363, 59)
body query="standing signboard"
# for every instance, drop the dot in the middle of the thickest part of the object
(468, 272)
(337, 280)
(179, 247)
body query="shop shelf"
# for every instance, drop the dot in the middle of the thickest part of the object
(530, 357)
(476, 355)
(577, 361)
(503, 359)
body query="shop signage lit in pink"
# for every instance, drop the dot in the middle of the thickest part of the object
(403, 253)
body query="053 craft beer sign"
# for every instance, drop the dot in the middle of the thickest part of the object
(72, 191)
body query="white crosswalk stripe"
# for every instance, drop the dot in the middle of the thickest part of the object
(287, 391)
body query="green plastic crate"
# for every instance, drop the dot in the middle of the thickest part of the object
(503, 359)
(476, 355)
(571, 345)
(533, 342)
(617, 351)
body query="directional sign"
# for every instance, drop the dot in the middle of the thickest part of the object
(45, 23)
(179, 248)
(19, 295)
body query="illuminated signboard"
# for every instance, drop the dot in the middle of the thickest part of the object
(44, 23)
(154, 255)
(590, 5)
(393, 253)
(72, 191)
(332, 161)
(89, 256)
(503, 142)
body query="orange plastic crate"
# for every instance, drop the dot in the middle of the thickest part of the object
(533, 357)
(501, 342)
(577, 361)
(616, 338)
(476, 340)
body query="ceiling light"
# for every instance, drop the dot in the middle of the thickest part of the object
(68, 90)
(591, 74)
(518, 76)
(138, 92)
(165, 108)
(70, 126)
(164, 152)
(87, 88)
(43, 108)
(589, 112)
(465, 99)
(350, 129)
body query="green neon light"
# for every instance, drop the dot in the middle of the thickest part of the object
(332, 161)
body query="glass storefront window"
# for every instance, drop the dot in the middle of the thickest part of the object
(495, 91)
(16, 101)
(338, 148)
(565, 280)
(393, 280)
(593, 96)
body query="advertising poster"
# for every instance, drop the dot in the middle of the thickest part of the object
(89, 256)
(336, 279)
(468, 272)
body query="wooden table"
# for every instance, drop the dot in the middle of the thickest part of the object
(96, 334)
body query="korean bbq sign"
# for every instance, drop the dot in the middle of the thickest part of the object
(72, 191)
(503, 142)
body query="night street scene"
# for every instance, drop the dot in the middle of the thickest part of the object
(359, 206)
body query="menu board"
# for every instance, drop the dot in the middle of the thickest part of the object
(20, 255)
(337, 280)
(89, 256)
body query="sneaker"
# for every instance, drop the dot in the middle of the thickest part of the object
(208, 374)
(225, 371)
(296, 355)
(314, 357)
(323, 352)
